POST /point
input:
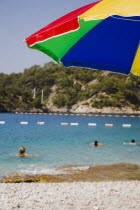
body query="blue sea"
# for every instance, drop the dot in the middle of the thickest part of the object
(62, 145)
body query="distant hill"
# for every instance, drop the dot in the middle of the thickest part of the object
(56, 88)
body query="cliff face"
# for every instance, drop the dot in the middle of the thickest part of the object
(107, 110)
(85, 106)
(80, 108)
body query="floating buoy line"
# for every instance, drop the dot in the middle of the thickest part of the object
(72, 124)
(78, 114)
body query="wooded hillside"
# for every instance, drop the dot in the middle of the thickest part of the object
(41, 88)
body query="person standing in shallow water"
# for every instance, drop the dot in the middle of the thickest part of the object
(96, 144)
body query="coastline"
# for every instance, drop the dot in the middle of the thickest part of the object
(76, 173)
(79, 108)
(100, 114)
(96, 187)
(101, 187)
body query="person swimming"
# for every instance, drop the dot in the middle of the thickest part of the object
(131, 143)
(22, 152)
(96, 144)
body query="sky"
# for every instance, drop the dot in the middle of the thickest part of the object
(21, 18)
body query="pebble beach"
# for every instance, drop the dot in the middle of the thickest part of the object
(122, 195)
(84, 177)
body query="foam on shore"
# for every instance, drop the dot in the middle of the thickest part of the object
(94, 173)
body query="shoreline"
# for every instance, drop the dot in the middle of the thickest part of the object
(81, 173)
(102, 114)
(99, 113)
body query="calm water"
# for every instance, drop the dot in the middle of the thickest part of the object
(60, 145)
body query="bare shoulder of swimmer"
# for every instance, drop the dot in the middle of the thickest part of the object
(100, 145)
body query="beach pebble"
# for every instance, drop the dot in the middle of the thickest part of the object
(70, 196)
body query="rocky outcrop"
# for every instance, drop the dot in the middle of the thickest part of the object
(86, 107)
(79, 108)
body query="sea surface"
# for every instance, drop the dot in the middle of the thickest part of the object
(61, 145)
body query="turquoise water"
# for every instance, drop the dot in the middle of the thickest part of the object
(60, 145)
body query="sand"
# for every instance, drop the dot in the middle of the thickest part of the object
(64, 196)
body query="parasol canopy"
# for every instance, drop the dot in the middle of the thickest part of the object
(102, 35)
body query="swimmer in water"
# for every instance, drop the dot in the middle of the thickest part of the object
(131, 143)
(96, 144)
(22, 152)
